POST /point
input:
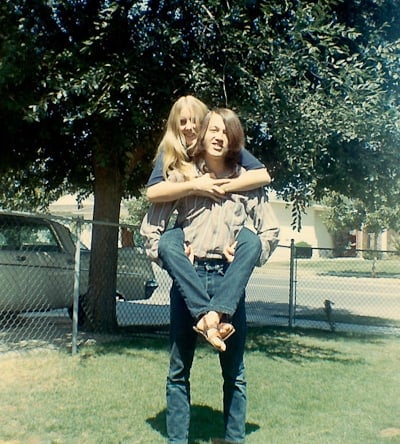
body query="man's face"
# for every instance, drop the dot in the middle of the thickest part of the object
(215, 138)
(188, 126)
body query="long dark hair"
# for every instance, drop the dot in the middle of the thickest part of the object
(234, 133)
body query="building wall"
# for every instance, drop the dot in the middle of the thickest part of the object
(313, 230)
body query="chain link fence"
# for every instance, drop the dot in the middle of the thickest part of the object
(44, 273)
(357, 293)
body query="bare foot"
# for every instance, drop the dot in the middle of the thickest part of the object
(208, 328)
(226, 330)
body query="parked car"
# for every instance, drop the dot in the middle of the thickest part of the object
(37, 257)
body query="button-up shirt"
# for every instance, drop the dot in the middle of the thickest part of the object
(210, 226)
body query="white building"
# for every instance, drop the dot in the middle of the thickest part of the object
(313, 229)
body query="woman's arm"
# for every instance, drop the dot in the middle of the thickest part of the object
(160, 190)
(248, 180)
(167, 191)
(255, 176)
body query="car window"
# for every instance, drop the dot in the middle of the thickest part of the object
(9, 236)
(38, 238)
(17, 234)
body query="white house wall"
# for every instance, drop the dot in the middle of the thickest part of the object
(313, 230)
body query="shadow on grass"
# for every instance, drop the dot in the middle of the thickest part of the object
(205, 423)
(280, 311)
(345, 317)
(279, 343)
(126, 343)
(296, 345)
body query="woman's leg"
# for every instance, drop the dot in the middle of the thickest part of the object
(232, 287)
(172, 253)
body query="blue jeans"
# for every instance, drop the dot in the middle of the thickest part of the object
(230, 289)
(183, 343)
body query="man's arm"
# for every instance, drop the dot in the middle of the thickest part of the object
(265, 223)
(153, 226)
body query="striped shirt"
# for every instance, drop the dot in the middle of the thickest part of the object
(211, 226)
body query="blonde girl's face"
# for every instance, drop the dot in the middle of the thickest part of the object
(188, 126)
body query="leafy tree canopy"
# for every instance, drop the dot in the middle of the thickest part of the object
(86, 86)
(316, 84)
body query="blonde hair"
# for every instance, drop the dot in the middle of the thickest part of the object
(172, 146)
(234, 133)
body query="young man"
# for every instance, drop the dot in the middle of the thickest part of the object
(210, 228)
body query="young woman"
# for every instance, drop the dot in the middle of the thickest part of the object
(175, 153)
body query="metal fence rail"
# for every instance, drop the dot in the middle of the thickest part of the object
(44, 261)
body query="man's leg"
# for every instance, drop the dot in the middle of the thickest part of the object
(171, 252)
(232, 365)
(182, 343)
(233, 372)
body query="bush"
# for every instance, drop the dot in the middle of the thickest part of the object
(303, 250)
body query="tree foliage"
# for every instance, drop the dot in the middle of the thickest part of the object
(86, 86)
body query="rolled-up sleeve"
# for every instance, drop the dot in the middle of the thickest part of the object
(153, 226)
(265, 224)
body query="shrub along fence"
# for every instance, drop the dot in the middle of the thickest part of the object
(44, 272)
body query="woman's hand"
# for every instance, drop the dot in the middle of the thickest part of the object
(207, 186)
(168, 191)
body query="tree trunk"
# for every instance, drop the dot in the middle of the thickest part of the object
(99, 303)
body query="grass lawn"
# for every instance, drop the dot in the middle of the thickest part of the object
(355, 267)
(343, 267)
(303, 387)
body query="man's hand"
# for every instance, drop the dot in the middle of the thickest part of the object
(229, 252)
(189, 252)
(207, 186)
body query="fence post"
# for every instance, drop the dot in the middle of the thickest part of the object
(291, 283)
(77, 271)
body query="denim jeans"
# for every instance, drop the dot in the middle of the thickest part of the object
(183, 343)
(230, 288)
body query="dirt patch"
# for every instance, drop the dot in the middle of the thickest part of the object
(390, 432)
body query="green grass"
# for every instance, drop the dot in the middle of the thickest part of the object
(303, 387)
(344, 267)
(353, 267)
